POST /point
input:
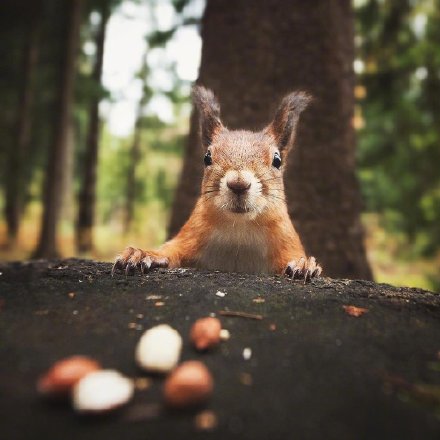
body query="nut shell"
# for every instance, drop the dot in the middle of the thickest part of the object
(64, 374)
(189, 384)
(205, 333)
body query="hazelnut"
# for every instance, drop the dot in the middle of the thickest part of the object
(64, 374)
(205, 333)
(159, 348)
(189, 384)
(102, 391)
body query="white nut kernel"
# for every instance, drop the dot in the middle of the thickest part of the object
(102, 391)
(159, 349)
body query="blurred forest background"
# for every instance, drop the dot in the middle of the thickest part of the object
(95, 113)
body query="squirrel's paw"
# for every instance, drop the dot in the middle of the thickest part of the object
(304, 268)
(131, 259)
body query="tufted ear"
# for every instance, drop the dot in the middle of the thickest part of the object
(209, 114)
(283, 126)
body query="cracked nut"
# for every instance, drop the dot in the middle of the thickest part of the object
(205, 333)
(189, 384)
(64, 374)
(159, 348)
(102, 391)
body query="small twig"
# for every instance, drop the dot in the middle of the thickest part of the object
(240, 314)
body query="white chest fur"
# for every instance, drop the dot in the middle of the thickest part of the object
(241, 247)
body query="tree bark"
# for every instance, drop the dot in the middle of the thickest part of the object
(47, 246)
(87, 195)
(253, 54)
(316, 371)
(16, 180)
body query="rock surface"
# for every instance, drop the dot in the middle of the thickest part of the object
(315, 371)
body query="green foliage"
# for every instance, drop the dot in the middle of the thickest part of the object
(157, 170)
(399, 153)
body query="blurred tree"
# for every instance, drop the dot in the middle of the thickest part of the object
(155, 39)
(254, 53)
(135, 150)
(87, 194)
(15, 171)
(47, 246)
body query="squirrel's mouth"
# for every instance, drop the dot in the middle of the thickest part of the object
(239, 209)
(240, 206)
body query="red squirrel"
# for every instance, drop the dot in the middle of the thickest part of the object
(240, 222)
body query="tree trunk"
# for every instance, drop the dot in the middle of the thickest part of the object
(130, 197)
(253, 54)
(47, 246)
(87, 195)
(135, 151)
(16, 180)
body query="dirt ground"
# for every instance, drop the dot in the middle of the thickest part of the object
(315, 371)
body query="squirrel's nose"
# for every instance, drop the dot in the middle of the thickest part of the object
(238, 186)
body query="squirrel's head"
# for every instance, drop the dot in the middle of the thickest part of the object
(243, 169)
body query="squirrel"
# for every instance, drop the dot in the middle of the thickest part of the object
(240, 222)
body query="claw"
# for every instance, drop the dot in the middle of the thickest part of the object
(117, 265)
(129, 269)
(303, 269)
(288, 271)
(295, 273)
(308, 274)
(146, 265)
(133, 259)
(162, 262)
(317, 271)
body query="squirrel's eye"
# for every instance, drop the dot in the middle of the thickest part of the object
(207, 159)
(276, 160)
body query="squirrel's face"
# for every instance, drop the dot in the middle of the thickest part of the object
(243, 173)
(243, 170)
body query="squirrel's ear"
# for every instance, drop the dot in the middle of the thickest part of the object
(283, 127)
(209, 114)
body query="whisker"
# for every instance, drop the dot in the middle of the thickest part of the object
(262, 174)
(268, 180)
(276, 197)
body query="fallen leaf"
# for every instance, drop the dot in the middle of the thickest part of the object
(142, 383)
(246, 379)
(205, 420)
(354, 311)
